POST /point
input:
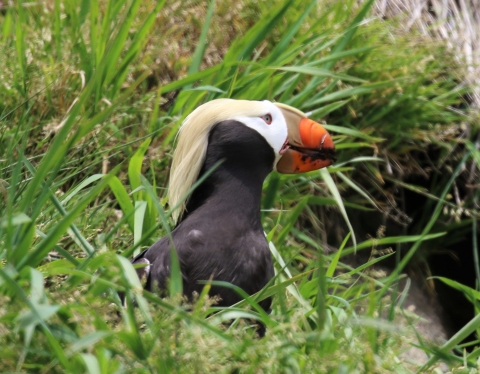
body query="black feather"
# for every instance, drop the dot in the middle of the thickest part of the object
(220, 236)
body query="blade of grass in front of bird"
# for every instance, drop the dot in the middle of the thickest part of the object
(175, 283)
(233, 314)
(270, 187)
(327, 178)
(271, 289)
(292, 287)
(131, 276)
(264, 316)
(200, 304)
(152, 298)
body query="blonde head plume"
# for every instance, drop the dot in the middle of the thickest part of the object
(192, 144)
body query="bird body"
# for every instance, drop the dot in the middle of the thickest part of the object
(219, 233)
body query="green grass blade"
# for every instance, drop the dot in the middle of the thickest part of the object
(36, 255)
(202, 41)
(123, 200)
(289, 34)
(135, 169)
(242, 48)
(327, 178)
(347, 93)
(140, 209)
(136, 46)
(333, 264)
(353, 132)
(91, 363)
(470, 327)
(370, 243)
(326, 109)
(356, 188)
(318, 72)
(76, 190)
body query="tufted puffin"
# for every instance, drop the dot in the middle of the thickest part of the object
(218, 233)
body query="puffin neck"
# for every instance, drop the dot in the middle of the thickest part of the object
(227, 194)
(233, 191)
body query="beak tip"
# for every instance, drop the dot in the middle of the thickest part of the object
(310, 148)
(327, 142)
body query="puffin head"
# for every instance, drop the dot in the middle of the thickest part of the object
(298, 143)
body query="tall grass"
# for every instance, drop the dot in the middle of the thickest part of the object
(91, 101)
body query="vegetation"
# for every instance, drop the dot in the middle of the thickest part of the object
(92, 94)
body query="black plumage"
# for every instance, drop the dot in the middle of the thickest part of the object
(220, 236)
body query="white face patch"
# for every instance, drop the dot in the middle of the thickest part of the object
(275, 133)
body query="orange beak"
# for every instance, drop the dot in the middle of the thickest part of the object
(310, 146)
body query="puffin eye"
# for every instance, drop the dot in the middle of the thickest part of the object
(267, 118)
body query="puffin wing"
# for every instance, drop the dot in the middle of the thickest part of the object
(156, 260)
